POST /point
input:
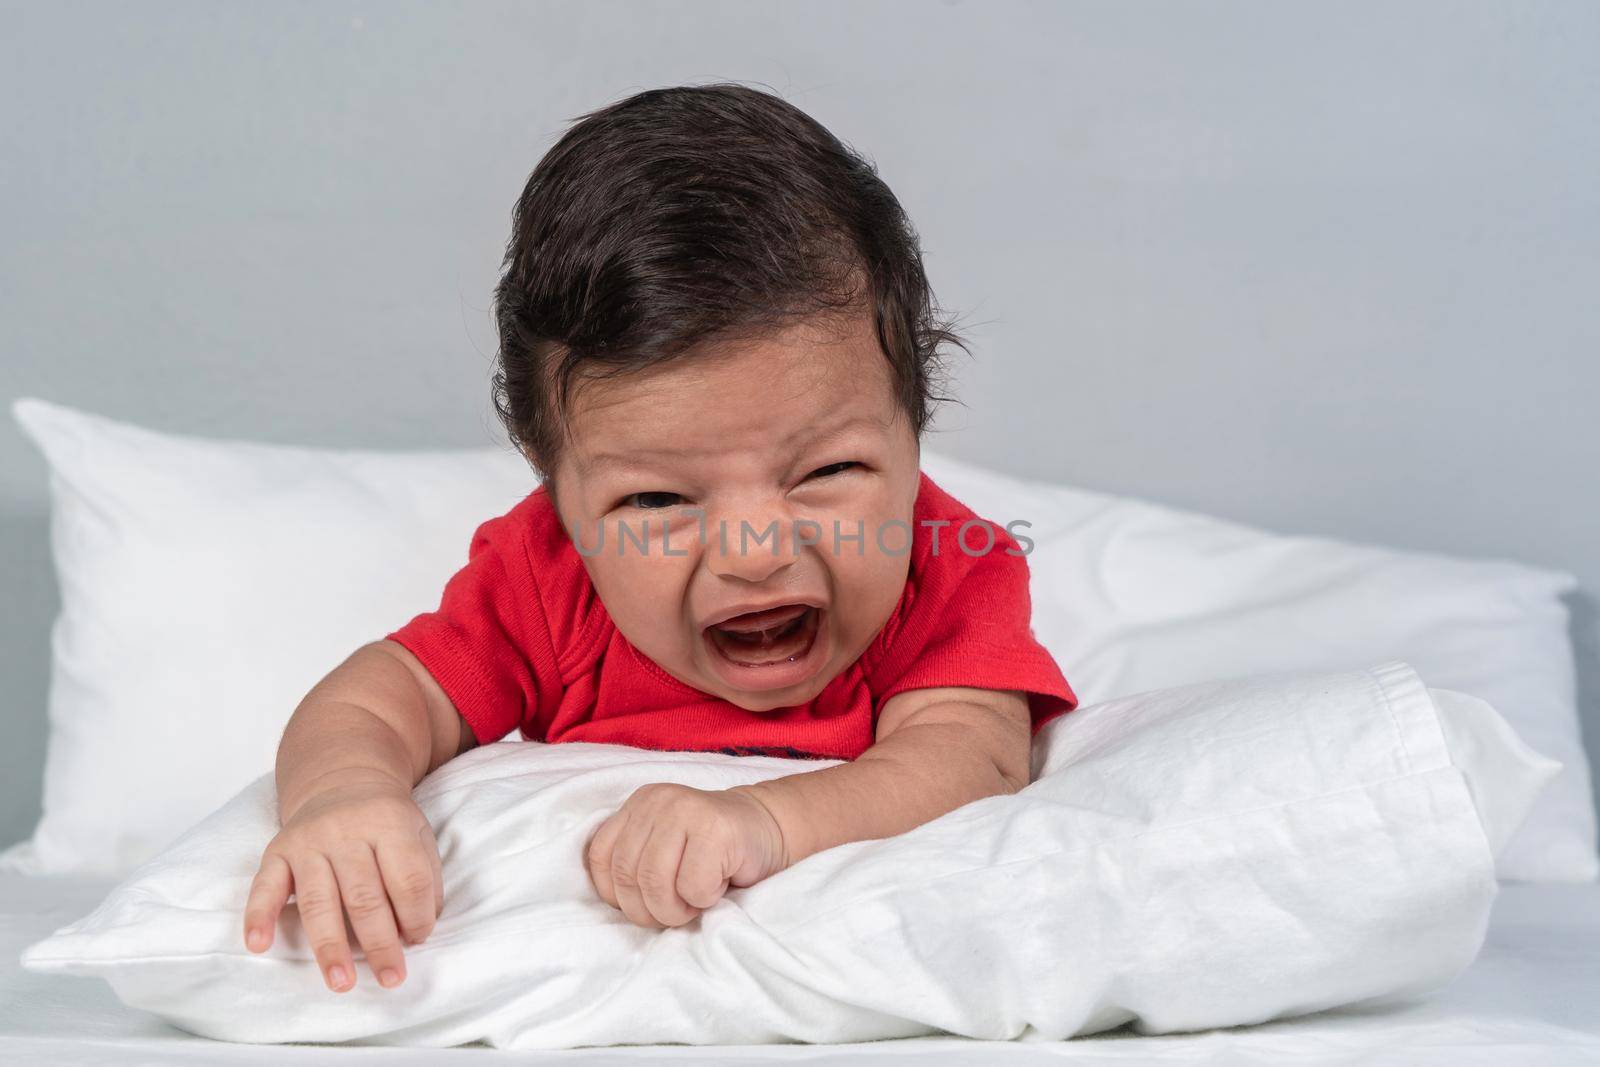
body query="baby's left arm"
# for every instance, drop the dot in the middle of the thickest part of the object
(671, 851)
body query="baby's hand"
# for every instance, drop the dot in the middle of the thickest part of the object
(671, 851)
(360, 847)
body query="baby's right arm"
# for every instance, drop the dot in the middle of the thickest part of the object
(352, 838)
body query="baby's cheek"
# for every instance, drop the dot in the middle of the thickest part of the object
(868, 585)
(643, 592)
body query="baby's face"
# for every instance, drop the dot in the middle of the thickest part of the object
(739, 459)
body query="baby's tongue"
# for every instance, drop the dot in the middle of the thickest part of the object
(756, 621)
(764, 637)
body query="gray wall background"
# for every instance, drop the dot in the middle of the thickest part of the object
(1330, 269)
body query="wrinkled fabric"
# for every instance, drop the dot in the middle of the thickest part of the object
(1213, 855)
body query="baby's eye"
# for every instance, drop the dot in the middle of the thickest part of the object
(833, 468)
(651, 501)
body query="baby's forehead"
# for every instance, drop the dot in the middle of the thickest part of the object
(597, 452)
(777, 394)
(760, 435)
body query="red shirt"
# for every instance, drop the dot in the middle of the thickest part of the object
(521, 640)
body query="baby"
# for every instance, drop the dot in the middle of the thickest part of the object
(717, 350)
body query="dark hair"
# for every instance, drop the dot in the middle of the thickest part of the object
(698, 215)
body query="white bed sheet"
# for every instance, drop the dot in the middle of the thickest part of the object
(1532, 997)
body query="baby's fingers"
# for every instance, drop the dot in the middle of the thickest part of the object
(408, 875)
(371, 914)
(597, 857)
(658, 876)
(625, 873)
(316, 895)
(702, 877)
(269, 891)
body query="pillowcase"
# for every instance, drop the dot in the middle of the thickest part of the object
(1213, 855)
(1131, 596)
(206, 586)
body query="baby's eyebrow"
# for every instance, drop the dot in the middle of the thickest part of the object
(804, 436)
(588, 463)
(813, 434)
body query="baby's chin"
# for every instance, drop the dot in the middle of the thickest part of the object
(765, 703)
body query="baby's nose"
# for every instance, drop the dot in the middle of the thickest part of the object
(750, 548)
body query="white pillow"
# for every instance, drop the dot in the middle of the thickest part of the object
(1131, 596)
(1214, 855)
(206, 586)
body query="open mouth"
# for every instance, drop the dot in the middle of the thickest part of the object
(761, 638)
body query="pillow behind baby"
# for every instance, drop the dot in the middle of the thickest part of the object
(206, 585)
(1207, 856)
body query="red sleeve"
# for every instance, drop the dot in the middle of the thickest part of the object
(970, 625)
(488, 644)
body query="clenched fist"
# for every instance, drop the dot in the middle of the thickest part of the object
(671, 851)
